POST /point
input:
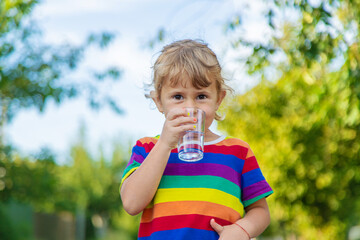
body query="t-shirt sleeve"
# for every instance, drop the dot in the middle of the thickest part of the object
(253, 184)
(138, 154)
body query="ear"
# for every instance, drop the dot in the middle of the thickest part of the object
(155, 97)
(221, 97)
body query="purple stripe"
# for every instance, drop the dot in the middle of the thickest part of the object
(255, 190)
(135, 157)
(195, 169)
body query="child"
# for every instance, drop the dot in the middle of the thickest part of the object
(201, 200)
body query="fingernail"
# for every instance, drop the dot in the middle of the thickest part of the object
(194, 119)
(188, 114)
(194, 126)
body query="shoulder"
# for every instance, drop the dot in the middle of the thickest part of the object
(231, 146)
(146, 141)
(145, 144)
(242, 146)
(232, 141)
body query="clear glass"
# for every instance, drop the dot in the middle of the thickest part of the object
(191, 144)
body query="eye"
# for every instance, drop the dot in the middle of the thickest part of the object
(178, 97)
(202, 96)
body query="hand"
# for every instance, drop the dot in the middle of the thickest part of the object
(229, 232)
(176, 123)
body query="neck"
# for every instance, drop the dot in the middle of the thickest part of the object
(210, 136)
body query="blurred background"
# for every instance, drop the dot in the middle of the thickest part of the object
(72, 77)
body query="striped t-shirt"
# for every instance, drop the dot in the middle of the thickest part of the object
(190, 194)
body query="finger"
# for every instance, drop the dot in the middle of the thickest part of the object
(187, 127)
(175, 113)
(217, 227)
(181, 121)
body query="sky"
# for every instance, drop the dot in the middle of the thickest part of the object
(135, 23)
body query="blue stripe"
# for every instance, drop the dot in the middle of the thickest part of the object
(183, 233)
(140, 150)
(251, 177)
(225, 159)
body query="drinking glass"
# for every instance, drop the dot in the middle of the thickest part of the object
(191, 143)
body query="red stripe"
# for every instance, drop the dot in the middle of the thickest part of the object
(250, 164)
(179, 221)
(147, 144)
(236, 150)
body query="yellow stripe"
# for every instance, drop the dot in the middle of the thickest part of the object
(198, 194)
(127, 175)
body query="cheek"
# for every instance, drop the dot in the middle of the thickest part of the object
(209, 119)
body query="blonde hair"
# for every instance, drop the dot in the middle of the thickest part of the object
(192, 58)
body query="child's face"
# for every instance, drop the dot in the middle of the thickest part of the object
(184, 94)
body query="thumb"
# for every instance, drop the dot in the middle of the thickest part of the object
(217, 227)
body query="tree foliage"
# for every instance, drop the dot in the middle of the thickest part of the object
(33, 71)
(304, 121)
(86, 184)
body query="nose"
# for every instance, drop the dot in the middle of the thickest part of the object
(190, 103)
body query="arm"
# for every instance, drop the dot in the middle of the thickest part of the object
(256, 220)
(139, 188)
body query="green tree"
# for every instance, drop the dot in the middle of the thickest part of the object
(28, 180)
(24, 181)
(31, 70)
(303, 119)
(90, 185)
(86, 186)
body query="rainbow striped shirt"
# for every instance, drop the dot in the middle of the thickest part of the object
(190, 194)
